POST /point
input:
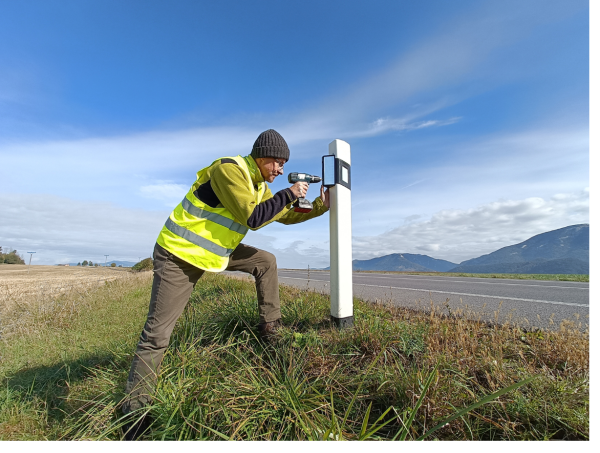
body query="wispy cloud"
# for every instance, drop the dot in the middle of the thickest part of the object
(450, 61)
(383, 125)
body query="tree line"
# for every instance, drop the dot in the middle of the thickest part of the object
(12, 257)
(89, 263)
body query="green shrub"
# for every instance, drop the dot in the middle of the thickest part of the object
(11, 258)
(145, 265)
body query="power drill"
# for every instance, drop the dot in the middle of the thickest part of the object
(302, 204)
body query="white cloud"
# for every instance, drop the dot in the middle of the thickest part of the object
(470, 172)
(429, 247)
(167, 192)
(382, 125)
(64, 230)
(295, 246)
(460, 234)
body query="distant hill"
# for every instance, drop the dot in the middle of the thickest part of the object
(403, 262)
(562, 251)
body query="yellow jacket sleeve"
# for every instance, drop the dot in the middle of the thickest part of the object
(231, 185)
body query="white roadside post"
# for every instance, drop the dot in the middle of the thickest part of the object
(337, 171)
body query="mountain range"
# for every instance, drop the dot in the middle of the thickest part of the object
(562, 251)
(403, 262)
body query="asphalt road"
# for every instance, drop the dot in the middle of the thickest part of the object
(530, 303)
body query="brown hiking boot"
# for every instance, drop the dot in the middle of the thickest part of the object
(267, 330)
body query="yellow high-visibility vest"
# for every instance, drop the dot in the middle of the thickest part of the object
(203, 235)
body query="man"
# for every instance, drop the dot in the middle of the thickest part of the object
(204, 233)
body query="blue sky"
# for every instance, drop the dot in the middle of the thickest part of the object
(467, 121)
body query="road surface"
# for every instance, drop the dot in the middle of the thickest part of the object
(530, 303)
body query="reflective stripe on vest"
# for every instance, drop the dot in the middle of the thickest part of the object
(213, 217)
(197, 240)
(202, 235)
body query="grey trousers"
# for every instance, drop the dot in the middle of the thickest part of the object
(174, 281)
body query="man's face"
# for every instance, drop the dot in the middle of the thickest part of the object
(270, 167)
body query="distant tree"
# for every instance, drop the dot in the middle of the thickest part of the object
(79, 264)
(91, 264)
(95, 264)
(120, 265)
(144, 265)
(85, 263)
(113, 264)
(13, 258)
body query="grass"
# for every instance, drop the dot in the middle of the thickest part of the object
(396, 375)
(550, 277)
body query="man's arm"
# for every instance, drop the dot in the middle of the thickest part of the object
(230, 184)
(292, 216)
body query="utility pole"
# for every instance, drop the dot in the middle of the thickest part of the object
(30, 256)
(105, 258)
(337, 177)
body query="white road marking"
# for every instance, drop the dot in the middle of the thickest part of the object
(469, 281)
(481, 283)
(459, 294)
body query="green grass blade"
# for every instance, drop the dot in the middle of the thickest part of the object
(372, 364)
(479, 403)
(405, 430)
(376, 427)
(365, 422)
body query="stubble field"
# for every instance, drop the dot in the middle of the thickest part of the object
(26, 294)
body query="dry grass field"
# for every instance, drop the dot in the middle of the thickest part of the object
(28, 295)
(18, 282)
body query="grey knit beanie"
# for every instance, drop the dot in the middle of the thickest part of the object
(270, 144)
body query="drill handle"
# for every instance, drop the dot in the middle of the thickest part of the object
(302, 205)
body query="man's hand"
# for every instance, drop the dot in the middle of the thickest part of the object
(325, 196)
(299, 189)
